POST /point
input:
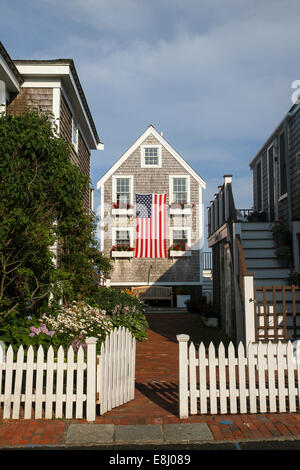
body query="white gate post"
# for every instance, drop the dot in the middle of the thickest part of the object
(183, 375)
(91, 379)
(249, 309)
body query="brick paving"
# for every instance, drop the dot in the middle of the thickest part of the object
(156, 397)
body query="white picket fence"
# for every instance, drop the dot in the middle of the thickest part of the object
(116, 370)
(44, 386)
(262, 378)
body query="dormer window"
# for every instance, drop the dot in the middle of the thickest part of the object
(151, 156)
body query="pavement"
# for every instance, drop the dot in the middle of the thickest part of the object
(152, 417)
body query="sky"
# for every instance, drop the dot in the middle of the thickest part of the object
(214, 76)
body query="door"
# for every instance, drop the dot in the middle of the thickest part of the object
(271, 181)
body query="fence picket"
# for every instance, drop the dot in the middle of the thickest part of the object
(39, 383)
(281, 381)
(242, 378)
(70, 378)
(212, 379)
(8, 383)
(202, 379)
(132, 367)
(193, 384)
(232, 378)
(261, 378)
(291, 378)
(29, 383)
(251, 378)
(271, 376)
(18, 383)
(49, 383)
(79, 383)
(59, 382)
(223, 392)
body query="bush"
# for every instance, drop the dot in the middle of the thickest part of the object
(123, 309)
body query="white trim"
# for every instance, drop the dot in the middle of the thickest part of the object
(36, 83)
(179, 254)
(102, 219)
(171, 177)
(143, 164)
(200, 230)
(10, 79)
(114, 187)
(75, 128)
(150, 130)
(56, 106)
(268, 174)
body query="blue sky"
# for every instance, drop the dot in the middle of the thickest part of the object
(213, 75)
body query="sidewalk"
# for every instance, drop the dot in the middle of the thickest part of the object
(152, 417)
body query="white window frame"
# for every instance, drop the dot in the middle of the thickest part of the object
(124, 229)
(143, 164)
(171, 186)
(114, 187)
(75, 128)
(189, 233)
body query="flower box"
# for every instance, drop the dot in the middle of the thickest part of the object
(122, 254)
(177, 253)
(117, 211)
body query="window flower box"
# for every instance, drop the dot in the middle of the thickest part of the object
(120, 209)
(179, 253)
(181, 208)
(122, 251)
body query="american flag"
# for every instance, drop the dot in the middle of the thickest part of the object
(151, 226)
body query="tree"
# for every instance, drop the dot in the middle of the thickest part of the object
(39, 185)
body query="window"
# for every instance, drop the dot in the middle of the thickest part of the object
(180, 191)
(180, 236)
(151, 156)
(282, 166)
(122, 192)
(122, 237)
(75, 135)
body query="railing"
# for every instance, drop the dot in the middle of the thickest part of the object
(207, 260)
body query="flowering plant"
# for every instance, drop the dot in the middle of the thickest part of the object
(122, 248)
(76, 322)
(118, 205)
(179, 246)
(278, 226)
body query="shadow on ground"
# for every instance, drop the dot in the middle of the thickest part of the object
(163, 394)
(170, 325)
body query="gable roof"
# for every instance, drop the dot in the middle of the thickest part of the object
(151, 130)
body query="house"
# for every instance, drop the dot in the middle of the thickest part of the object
(53, 86)
(152, 184)
(255, 288)
(276, 178)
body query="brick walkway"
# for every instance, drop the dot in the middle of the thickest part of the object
(156, 398)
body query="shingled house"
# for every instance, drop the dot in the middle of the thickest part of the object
(52, 86)
(151, 217)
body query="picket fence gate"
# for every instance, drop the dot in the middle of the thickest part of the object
(40, 385)
(261, 378)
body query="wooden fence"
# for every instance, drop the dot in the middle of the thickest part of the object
(276, 312)
(42, 385)
(116, 370)
(263, 378)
